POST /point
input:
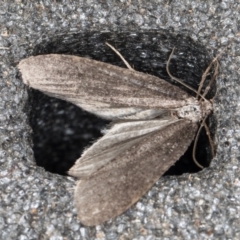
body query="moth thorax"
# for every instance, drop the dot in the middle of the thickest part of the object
(195, 111)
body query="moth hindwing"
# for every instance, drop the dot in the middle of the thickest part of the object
(154, 122)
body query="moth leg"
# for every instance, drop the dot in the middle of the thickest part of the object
(120, 55)
(194, 148)
(203, 124)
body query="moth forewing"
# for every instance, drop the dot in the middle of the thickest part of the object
(103, 89)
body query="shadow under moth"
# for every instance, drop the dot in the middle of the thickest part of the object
(154, 122)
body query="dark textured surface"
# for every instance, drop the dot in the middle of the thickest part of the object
(36, 204)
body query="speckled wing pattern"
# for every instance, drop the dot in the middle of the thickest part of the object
(144, 140)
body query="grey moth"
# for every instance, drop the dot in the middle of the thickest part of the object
(154, 122)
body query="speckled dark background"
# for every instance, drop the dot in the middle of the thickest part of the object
(37, 204)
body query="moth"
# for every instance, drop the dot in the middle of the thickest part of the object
(153, 123)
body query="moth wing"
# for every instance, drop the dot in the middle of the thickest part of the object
(117, 185)
(103, 89)
(120, 137)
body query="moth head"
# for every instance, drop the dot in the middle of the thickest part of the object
(206, 107)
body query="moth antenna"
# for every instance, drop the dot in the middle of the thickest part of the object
(214, 61)
(120, 55)
(212, 78)
(178, 80)
(209, 138)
